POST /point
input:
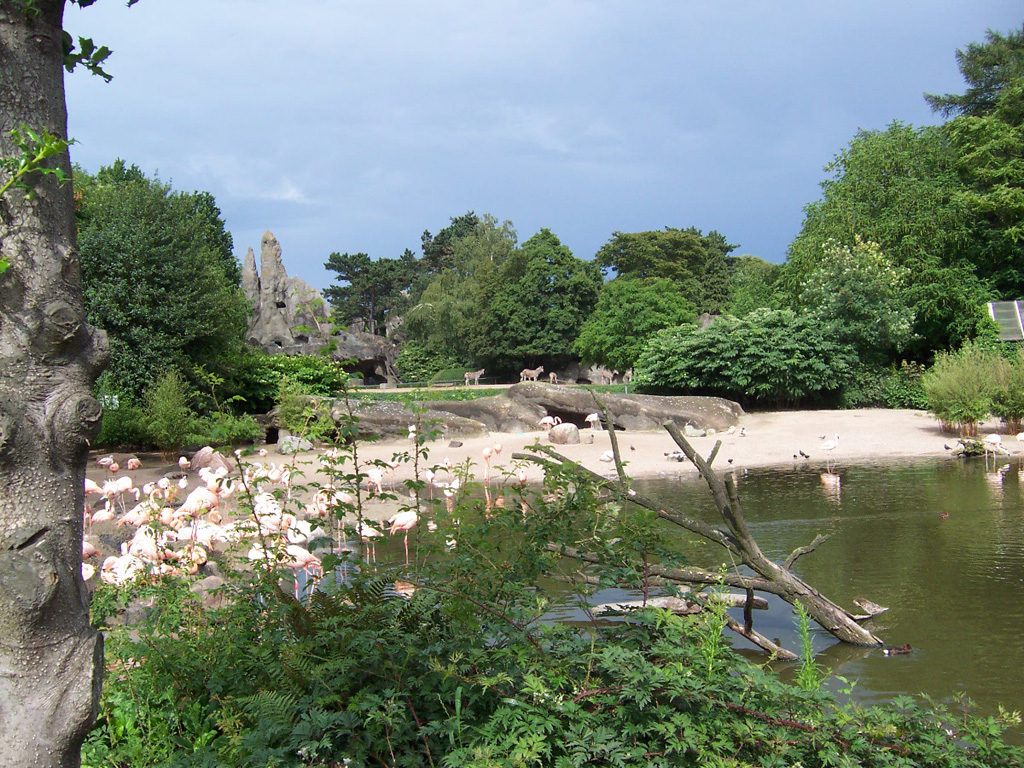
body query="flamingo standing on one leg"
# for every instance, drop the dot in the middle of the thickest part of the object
(404, 521)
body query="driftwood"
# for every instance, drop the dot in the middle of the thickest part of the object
(735, 537)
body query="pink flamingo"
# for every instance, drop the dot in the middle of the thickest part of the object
(404, 521)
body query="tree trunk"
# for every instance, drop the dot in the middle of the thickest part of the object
(50, 658)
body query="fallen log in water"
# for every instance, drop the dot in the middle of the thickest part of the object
(735, 537)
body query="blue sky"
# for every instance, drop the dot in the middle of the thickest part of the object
(353, 126)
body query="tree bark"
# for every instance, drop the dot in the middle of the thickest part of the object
(51, 659)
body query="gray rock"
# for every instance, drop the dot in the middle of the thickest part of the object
(522, 407)
(634, 412)
(291, 317)
(498, 414)
(564, 434)
(280, 303)
(389, 419)
(292, 444)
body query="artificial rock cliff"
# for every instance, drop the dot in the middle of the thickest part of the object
(290, 317)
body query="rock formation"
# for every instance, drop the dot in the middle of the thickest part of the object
(522, 406)
(290, 317)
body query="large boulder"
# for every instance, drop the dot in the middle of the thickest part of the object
(390, 419)
(498, 413)
(522, 406)
(635, 412)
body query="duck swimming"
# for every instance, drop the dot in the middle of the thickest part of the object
(905, 648)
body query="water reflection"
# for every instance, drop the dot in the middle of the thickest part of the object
(940, 543)
(832, 484)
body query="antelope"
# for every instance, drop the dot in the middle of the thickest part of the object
(553, 377)
(530, 374)
(474, 376)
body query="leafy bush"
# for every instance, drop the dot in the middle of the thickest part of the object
(769, 357)
(123, 425)
(227, 429)
(959, 387)
(169, 418)
(892, 387)
(454, 373)
(303, 413)
(1008, 389)
(364, 676)
(417, 363)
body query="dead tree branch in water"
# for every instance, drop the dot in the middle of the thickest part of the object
(735, 537)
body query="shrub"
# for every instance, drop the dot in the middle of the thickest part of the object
(303, 413)
(1008, 389)
(227, 429)
(417, 363)
(959, 387)
(892, 387)
(123, 425)
(169, 418)
(769, 357)
(454, 373)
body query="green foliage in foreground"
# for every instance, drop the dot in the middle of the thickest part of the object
(465, 671)
(366, 677)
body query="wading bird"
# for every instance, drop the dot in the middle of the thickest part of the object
(404, 521)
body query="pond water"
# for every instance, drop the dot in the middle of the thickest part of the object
(940, 543)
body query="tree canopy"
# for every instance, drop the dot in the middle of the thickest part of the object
(629, 311)
(988, 68)
(535, 304)
(373, 289)
(695, 262)
(445, 321)
(158, 276)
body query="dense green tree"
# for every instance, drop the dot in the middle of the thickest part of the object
(988, 68)
(694, 261)
(769, 358)
(439, 249)
(991, 163)
(629, 311)
(373, 290)
(860, 293)
(159, 277)
(445, 321)
(752, 285)
(535, 304)
(900, 188)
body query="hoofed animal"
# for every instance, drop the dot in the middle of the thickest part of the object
(473, 376)
(530, 374)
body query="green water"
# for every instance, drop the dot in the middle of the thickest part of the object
(954, 585)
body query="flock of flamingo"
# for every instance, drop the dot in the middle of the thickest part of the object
(174, 535)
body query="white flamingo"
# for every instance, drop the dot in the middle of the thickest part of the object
(828, 447)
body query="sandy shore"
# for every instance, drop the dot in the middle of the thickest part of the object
(769, 439)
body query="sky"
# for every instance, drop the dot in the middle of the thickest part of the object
(355, 126)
